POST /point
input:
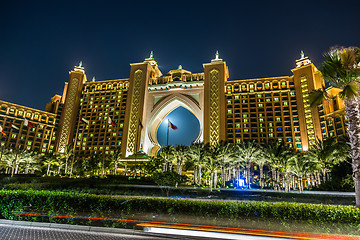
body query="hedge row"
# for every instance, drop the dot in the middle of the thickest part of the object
(112, 206)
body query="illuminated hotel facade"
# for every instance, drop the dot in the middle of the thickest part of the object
(230, 110)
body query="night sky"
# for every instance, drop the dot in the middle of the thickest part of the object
(40, 41)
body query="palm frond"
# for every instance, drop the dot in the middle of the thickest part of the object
(317, 97)
(351, 90)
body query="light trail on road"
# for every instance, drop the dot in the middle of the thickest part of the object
(186, 226)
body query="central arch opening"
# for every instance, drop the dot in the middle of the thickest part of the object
(188, 128)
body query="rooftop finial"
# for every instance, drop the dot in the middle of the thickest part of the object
(80, 67)
(217, 59)
(93, 79)
(180, 67)
(151, 57)
(303, 60)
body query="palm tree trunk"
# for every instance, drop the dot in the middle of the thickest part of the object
(324, 175)
(317, 178)
(353, 121)
(66, 164)
(238, 172)
(13, 167)
(222, 176)
(27, 168)
(278, 179)
(195, 175)
(48, 169)
(125, 170)
(211, 180)
(273, 176)
(300, 184)
(312, 180)
(115, 167)
(215, 179)
(261, 168)
(200, 174)
(308, 179)
(17, 168)
(102, 170)
(248, 176)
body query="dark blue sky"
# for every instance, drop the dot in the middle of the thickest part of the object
(187, 124)
(42, 40)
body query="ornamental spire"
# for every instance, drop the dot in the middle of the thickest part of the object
(217, 58)
(302, 55)
(80, 67)
(304, 60)
(151, 57)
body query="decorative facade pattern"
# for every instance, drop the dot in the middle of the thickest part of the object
(214, 113)
(308, 116)
(65, 131)
(134, 112)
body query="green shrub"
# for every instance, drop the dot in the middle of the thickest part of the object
(80, 204)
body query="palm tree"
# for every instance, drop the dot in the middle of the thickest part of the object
(278, 155)
(69, 149)
(326, 154)
(20, 156)
(167, 156)
(225, 154)
(29, 159)
(300, 166)
(211, 163)
(341, 69)
(7, 160)
(115, 159)
(196, 153)
(261, 160)
(180, 155)
(49, 160)
(249, 152)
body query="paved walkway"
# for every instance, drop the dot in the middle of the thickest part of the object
(21, 230)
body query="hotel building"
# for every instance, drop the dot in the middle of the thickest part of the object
(124, 114)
